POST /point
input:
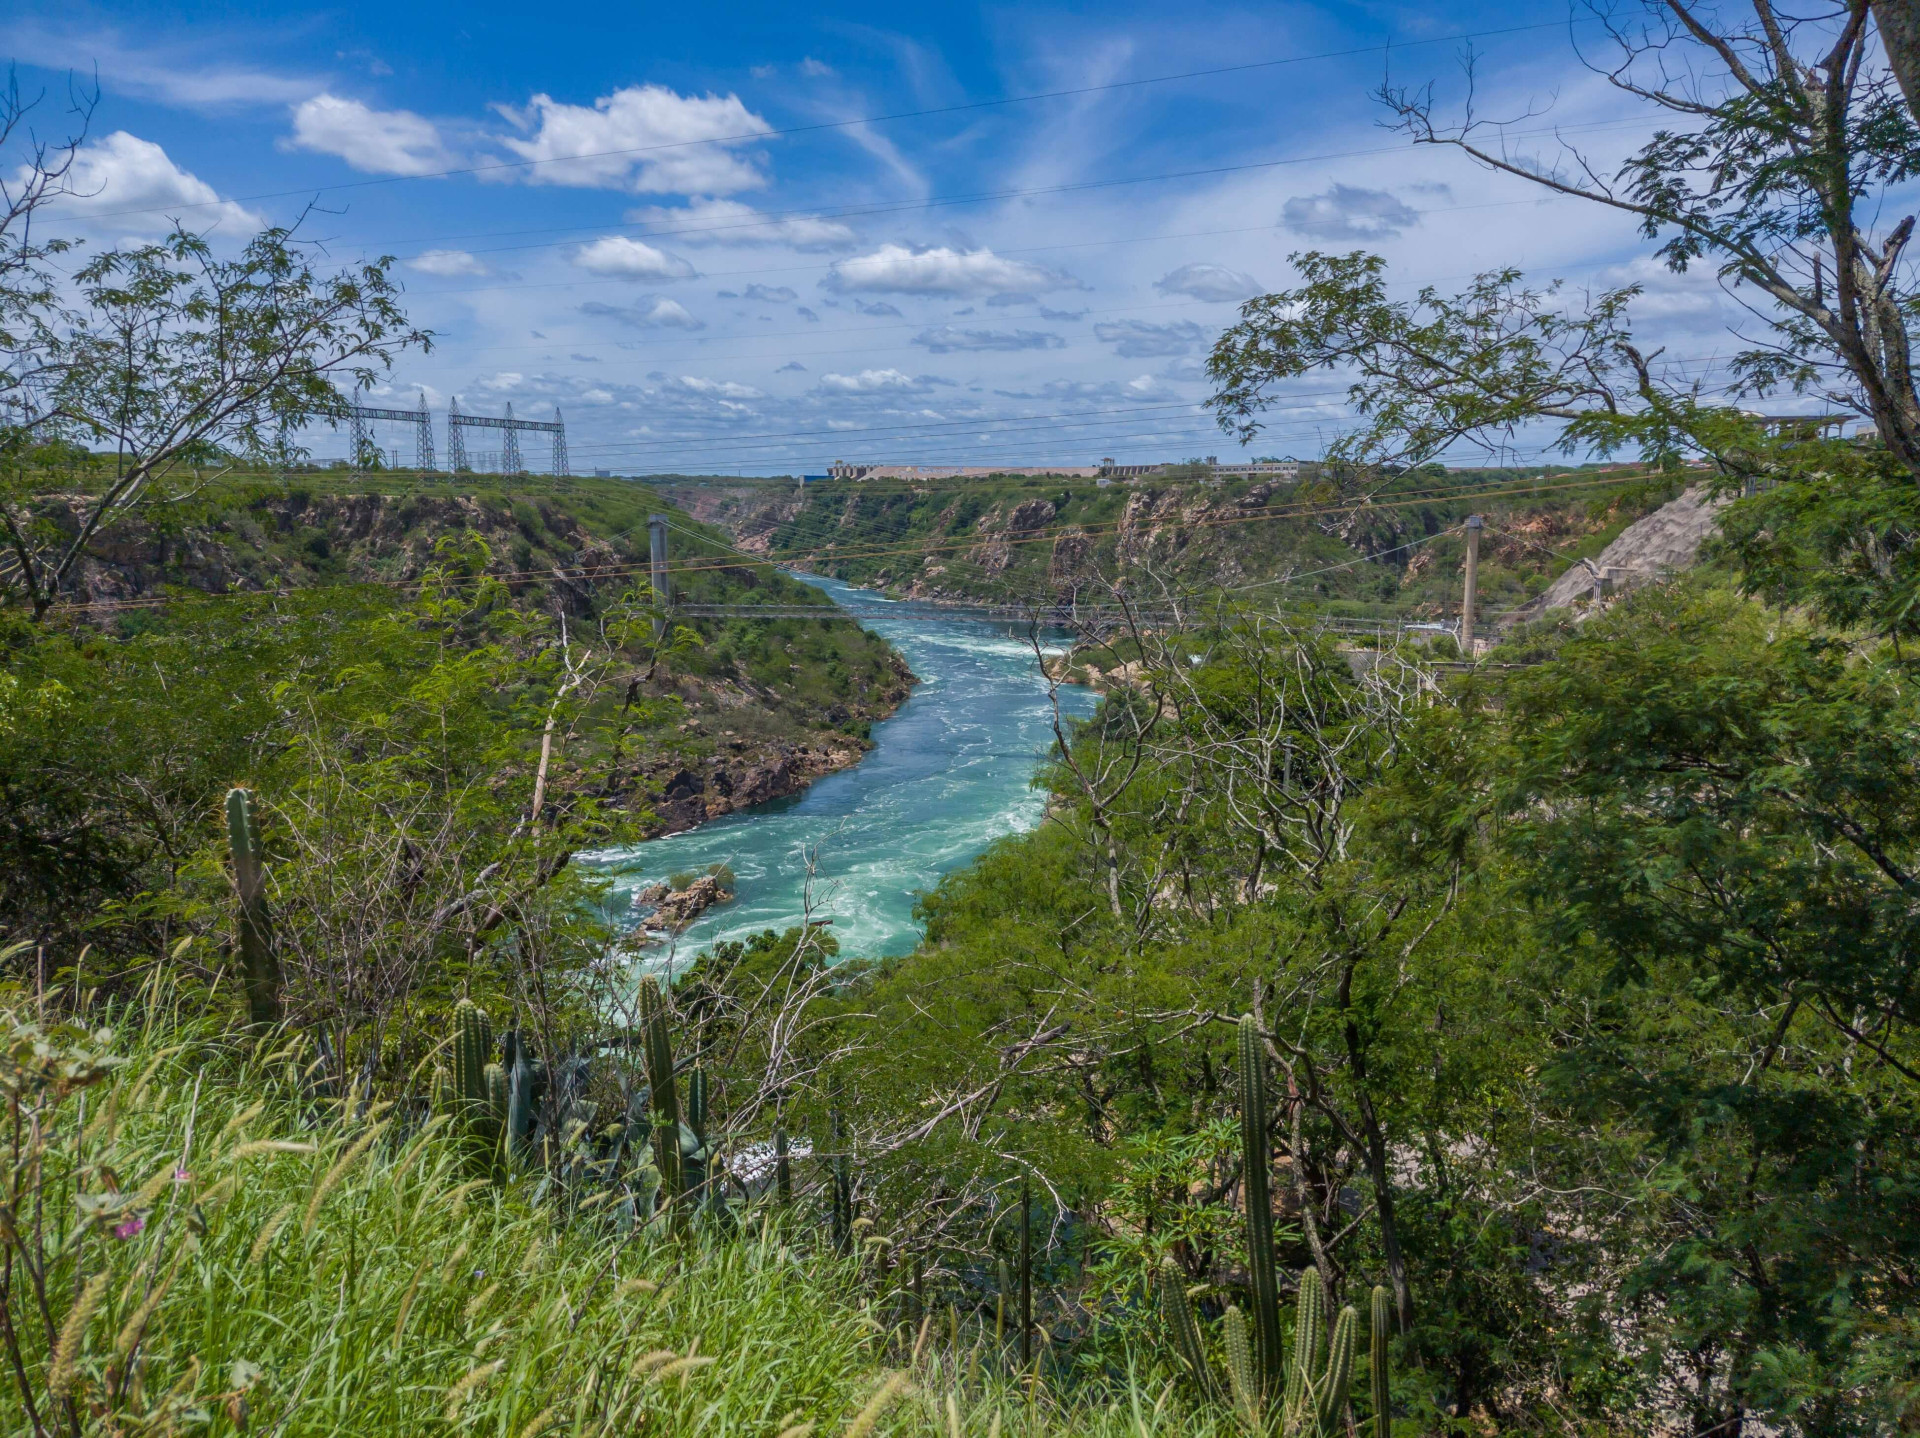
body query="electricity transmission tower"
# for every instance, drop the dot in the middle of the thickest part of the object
(510, 460)
(361, 416)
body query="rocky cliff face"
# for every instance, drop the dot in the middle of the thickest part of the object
(734, 740)
(1402, 549)
(730, 779)
(292, 539)
(1650, 548)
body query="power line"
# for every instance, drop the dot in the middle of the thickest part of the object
(1050, 534)
(1057, 419)
(769, 133)
(987, 196)
(629, 569)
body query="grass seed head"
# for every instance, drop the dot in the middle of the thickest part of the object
(73, 1335)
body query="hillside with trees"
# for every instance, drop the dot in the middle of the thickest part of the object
(1361, 1044)
(1390, 547)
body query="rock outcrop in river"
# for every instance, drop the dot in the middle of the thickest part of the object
(673, 909)
(738, 778)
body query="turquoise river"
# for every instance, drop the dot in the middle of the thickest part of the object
(948, 774)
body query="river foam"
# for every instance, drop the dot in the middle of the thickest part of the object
(948, 774)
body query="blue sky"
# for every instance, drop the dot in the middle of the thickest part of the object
(756, 238)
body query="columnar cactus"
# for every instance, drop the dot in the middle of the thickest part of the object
(1026, 1273)
(697, 1121)
(490, 1124)
(1377, 1374)
(657, 1045)
(522, 1081)
(257, 959)
(841, 1216)
(472, 1051)
(1320, 1375)
(472, 1086)
(1313, 1401)
(782, 1167)
(1256, 1166)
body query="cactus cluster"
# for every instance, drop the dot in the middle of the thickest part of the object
(504, 1108)
(479, 1086)
(513, 1109)
(1312, 1386)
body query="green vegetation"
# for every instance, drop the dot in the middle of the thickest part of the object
(1561, 1007)
(1390, 548)
(202, 1240)
(126, 727)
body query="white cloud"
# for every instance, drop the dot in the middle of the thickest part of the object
(817, 69)
(877, 381)
(132, 183)
(650, 312)
(895, 269)
(446, 263)
(1216, 283)
(946, 339)
(622, 258)
(771, 294)
(1347, 212)
(1136, 339)
(719, 388)
(375, 142)
(728, 222)
(644, 138)
(174, 75)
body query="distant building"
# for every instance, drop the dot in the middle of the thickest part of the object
(1261, 469)
(840, 469)
(1105, 473)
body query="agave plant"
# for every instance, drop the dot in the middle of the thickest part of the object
(1304, 1394)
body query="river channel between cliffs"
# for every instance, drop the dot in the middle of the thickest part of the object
(947, 775)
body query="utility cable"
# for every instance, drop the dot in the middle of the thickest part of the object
(769, 133)
(624, 569)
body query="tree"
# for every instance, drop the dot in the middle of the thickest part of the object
(1441, 370)
(1900, 34)
(1710, 810)
(163, 353)
(1788, 136)
(28, 293)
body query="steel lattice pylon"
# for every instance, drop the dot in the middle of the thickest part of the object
(510, 458)
(361, 416)
(456, 441)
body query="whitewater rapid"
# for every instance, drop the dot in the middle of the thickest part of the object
(948, 774)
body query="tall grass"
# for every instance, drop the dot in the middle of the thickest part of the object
(222, 1251)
